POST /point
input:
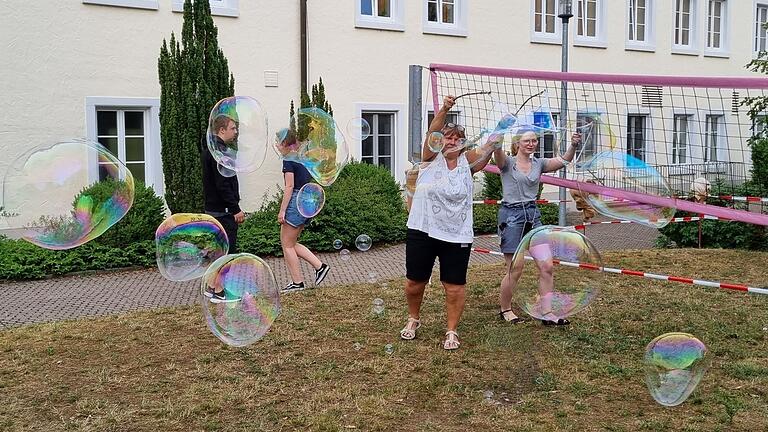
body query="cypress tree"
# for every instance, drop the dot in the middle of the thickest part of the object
(193, 76)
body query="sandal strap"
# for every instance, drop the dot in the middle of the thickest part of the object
(451, 337)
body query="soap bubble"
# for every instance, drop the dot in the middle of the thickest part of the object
(320, 145)
(64, 195)
(674, 366)
(550, 292)
(622, 172)
(310, 200)
(251, 299)
(338, 244)
(357, 346)
(186, 244)
(344, 254)
(358, 129)
(363, 242)
(435, 142)
(378, 306)
(237, 134)
(389, 349)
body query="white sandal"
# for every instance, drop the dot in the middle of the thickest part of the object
(451, 340)
(408, 332)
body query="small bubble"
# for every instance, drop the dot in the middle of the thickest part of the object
(389, 349)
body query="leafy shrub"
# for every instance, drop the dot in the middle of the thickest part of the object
(139, 224)
(491, 186)
(485, 218)
(549, 213)
(365, 199)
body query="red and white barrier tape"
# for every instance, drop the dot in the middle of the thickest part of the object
(541, 201)
(730, 286)
(673, 220)
(740, 198)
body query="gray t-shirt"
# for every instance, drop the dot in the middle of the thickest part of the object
(516, 185)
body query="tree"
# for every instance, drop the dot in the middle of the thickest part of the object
(759, 141)
(193, 77)
(318, 101)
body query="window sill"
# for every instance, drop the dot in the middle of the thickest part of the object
(230, 11)
(549, 40)
(638, 47)
(590, 43)
(444, 30)
(718, 54)
(685, 51)
(379, 25)
(136, 4)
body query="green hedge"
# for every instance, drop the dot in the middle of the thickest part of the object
(365, 199)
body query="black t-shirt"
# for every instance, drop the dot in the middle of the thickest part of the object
(300, 174)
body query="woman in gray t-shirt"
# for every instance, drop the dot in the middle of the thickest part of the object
(518, 214)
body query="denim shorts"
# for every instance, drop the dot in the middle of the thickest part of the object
(515, 221)
(292, 215)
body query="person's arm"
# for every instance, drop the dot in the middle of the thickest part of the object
(561, 161)
(288, 175)
(478, 158)
(437, 124)
(500, 157)
(228, 196)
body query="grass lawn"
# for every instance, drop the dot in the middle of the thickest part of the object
(162, 370)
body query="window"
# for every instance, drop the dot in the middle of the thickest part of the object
(712, 138)
(230, 8)
(130, 129)
(548, 142)
(761, 18)
(451, 117)
(717, 27)
(545, 26)
(138, 4)
(446, 17)
(684, 27)
(380, 14)
(640, 25)
(680, 139)
(636, 136)
(591, 135)
(589, 23)
(377, 148)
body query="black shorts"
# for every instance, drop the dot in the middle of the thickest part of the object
(421, 251)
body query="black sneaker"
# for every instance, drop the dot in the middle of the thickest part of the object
(215, 297)
(321, 273)
(293, 287)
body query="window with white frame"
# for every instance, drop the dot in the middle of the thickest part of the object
(380, 14)
(545, 26)
(446, 17)
(684, 25)
(712, 137)
(640, 31)
(680, 138)
(138, 4)
(130, 129)
(450, 117)
(717, 26)
(761, 34)
(588, 124)
(589, 22)
(548, 142)
(230, 8)
(378, 147)
(636, 136)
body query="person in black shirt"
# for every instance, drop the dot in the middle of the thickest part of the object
(221, 194)
(291, 221)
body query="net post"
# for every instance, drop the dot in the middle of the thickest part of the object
(565, 15)
(415, 105)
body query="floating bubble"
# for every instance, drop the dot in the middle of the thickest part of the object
(186, 244)
(63, 195)
(237, 134)
(226, 172)
(435, 142)
(338, 244)
(320, 145)
(547, 291)
(358, 129)
(623, 172)
(363, 242)
(372, 276)
(251, 299)
(596, 136)
(310, 200)
(674, 366)
(378, 306)
(344, 254)
(389, 349)
(357, 346)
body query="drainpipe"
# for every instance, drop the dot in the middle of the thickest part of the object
(303, 30)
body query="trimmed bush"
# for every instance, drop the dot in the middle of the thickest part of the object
(491, 186)
(365, 199)
(485, 217)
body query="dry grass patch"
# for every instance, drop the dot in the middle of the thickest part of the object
(162, 370)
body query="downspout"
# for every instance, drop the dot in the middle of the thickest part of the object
(303, 19)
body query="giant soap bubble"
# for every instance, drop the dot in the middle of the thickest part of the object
(63, 195)
(623, 172)
(251, 300)
(320, 145)
(674, 366)
(237, 134)
(548, 291)
(186, 244)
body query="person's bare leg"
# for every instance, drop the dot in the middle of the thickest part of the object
(288, 237)
(455, 297)
(304, 253)
(509, 283)
(414, 295)
(546, 288)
